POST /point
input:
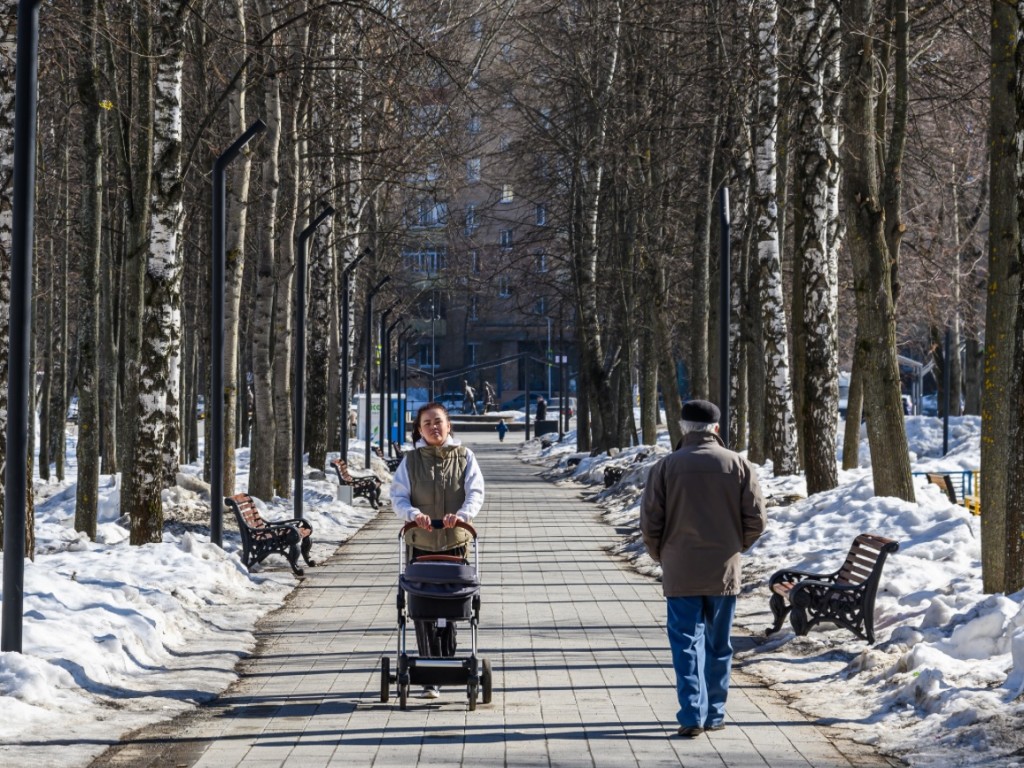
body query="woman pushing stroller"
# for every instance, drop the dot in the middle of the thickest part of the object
(438, 481)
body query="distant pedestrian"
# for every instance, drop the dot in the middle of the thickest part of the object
(502, 429)
(542, 409)
(701, 508)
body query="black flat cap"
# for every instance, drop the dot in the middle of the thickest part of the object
(701, 412)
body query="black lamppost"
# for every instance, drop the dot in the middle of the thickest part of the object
(299, 361)
(26, 91)
(389, 384)
(215, 438)
(369, 363)
(381, 366)
(403, 374)
(346, 388)
(433, 343)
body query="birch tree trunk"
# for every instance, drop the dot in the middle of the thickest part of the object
(584, 238)
(261, 474)
(291, 172)
(820, 400)
(321, 298)
(8, 54)
(88, 448)
(238, 206)
(779, 397)
(135, 137)
(161, 315)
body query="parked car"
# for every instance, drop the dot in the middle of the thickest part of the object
(518, 403)
(451, 400)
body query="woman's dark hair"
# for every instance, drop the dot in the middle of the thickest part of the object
(416, 422)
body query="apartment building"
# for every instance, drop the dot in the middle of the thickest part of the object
(480, 246)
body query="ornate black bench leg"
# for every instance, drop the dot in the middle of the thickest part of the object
(293, 558)
(307, 544)
(780, 609)
(798, 618)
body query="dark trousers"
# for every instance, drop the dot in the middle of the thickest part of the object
(434, 641)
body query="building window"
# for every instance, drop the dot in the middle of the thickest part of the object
(506, 51)
(504, 291)
(476, 29)
(503, 143)
(474, 260)
(471, 352)
(473, 126)
(473, 169)
(509, 99)
(542, 261)
(431, 214)
(507, 194)
(505, 238)
(474, 308)
(541, 307)
(542, 215)
(471, 222)
(428, 259)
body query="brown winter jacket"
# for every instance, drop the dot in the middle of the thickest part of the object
(701, 508)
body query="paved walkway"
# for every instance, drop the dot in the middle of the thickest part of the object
(582, 673)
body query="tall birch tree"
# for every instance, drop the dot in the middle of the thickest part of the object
(781, 428)
(820, 402)
(162, 311)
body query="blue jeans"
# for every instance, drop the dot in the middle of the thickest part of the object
(699, 631)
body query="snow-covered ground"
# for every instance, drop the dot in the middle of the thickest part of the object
(116, 637)
(942, 685)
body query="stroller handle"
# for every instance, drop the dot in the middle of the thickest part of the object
(439, 524)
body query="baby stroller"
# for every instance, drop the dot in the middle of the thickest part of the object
(439, 590)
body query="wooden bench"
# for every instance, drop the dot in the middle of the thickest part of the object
(845, 597)
(392, 464)
(367, 486)
(261, 538)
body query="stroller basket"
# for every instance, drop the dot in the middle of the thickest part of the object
(439, 590)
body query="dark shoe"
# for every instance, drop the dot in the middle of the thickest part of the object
(715, 727)
(690, 731)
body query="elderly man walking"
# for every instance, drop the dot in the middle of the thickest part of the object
(701, 508)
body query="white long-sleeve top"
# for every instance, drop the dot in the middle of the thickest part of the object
(473, 484)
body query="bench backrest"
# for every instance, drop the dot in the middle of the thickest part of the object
(342, 468)
(245, 509)
(945, 482)
(865, 558)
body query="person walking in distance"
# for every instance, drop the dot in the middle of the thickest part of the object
(701, 508)
(502, 429)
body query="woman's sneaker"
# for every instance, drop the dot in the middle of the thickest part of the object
(430, 692)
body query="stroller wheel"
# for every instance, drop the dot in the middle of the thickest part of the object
(403, 696)
(485, 680)
(471, 693)
(385, 679)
